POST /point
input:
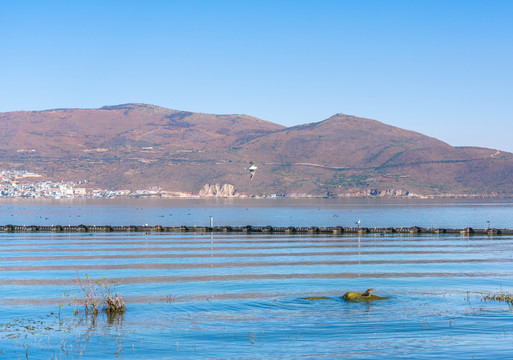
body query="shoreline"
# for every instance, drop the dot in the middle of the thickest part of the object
(255, 197)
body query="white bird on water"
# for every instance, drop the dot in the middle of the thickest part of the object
(251, 169)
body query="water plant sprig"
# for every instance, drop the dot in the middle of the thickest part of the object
(97, 296)
(501, 296)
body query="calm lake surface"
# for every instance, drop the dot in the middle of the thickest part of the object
(237, 296)
(443, 213)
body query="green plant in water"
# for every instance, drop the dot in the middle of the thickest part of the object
(169, 298)
(70, 337)
(98, 295)
(501, 296)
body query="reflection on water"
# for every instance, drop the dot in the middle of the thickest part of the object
(238, 296)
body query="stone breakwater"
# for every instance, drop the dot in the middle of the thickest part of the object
(333, 230)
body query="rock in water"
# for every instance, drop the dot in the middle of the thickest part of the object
(355, 296)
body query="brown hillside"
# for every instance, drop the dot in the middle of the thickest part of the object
(137, 146)
(125, 126)
(342, 141)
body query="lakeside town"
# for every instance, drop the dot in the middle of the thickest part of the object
(25, 184)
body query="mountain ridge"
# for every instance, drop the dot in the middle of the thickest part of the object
(138, 146)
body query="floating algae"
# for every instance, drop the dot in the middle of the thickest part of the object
(355, 296)
(312, 298)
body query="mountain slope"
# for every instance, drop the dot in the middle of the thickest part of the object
(342, 141)
(137, 146)
(123, 126)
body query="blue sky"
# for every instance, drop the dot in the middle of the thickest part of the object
(442, 68)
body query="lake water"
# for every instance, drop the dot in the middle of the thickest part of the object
(443, 213)
(237, 296)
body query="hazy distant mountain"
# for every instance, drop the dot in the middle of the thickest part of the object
(137, 146)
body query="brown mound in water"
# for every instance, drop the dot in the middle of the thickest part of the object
(354, 296)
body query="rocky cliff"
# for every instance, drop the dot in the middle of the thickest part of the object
(218, 190)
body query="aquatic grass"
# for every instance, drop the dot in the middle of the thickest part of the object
(98, 296)
(169, 298)
(71, 336)
(60, 336)
(501, 296)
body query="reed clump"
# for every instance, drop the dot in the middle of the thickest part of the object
(501, 296)
(169, 298)
(115, 305)
(97, 296)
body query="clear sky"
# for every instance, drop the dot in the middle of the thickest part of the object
(442, 68)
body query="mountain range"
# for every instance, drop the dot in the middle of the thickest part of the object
(139, 146)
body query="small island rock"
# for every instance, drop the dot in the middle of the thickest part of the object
(355, 296)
